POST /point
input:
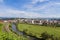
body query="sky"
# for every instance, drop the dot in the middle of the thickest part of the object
(30, 8)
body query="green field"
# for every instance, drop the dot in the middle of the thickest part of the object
(9, 35)
(37, 29)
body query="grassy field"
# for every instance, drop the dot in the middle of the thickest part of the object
(37, 29)
(9, 35)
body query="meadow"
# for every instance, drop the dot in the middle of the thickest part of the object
(4, 35)
(36, 30)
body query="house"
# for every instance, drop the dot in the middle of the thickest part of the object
(5, 21)
(39, 21)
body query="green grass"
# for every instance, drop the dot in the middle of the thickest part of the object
(37, 29)
(9, 35)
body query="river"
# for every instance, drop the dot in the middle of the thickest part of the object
(14, 28)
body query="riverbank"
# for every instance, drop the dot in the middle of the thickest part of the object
(31, 32)
(20, 34)
(36, 30)
(28, 36)
(9, 35)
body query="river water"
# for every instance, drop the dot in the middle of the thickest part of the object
(14, 28)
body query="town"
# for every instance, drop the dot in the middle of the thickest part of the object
(42, 21)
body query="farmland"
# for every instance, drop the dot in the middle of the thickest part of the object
(37, 29)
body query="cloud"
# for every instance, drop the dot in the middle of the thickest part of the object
(9, 12)
(35, 1)
(58, 3)
(43, 0)
(33, 6)
(1, 1)
(50, 9)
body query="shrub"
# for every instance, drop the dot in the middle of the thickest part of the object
(47, 36)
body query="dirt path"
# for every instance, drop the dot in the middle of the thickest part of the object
(6, 27)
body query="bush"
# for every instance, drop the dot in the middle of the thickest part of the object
(47, 36)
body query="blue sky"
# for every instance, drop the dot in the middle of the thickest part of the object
(30, 8)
